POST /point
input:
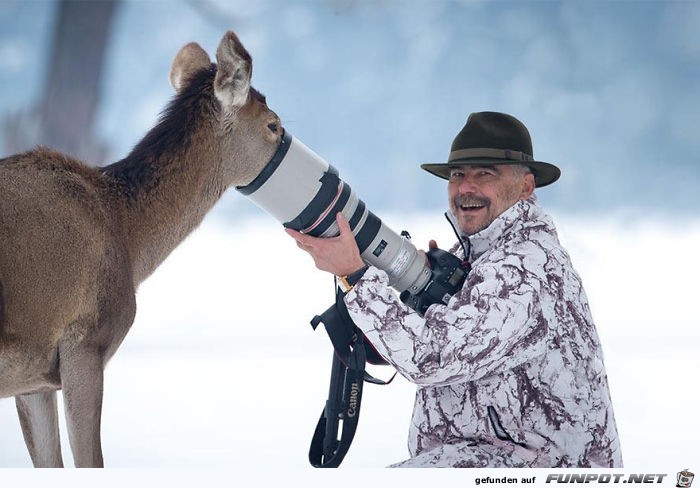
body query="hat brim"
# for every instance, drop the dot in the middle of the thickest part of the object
(545, 173)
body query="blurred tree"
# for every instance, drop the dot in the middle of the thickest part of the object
(65, 114)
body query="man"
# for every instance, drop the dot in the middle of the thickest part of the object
(510, 372)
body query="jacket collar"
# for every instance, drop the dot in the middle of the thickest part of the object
(518, 214)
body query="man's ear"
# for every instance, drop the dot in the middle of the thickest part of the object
(528, 186)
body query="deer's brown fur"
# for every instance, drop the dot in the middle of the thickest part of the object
(76, 241)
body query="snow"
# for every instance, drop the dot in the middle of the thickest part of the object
(222, 369)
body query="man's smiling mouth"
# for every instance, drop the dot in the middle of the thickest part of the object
(471, 204)
(471, 207)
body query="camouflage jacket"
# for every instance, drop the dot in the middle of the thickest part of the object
(510, 372)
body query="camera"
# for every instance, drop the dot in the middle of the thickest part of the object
(448, 275)
(305, 193)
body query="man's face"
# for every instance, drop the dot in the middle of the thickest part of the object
(479, 194)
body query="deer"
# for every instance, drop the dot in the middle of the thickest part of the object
(77, 240)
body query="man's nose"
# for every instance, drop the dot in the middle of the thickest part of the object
(467, 184)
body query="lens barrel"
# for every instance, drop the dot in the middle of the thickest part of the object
(303, 192)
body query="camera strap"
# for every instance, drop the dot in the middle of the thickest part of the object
(348, 375)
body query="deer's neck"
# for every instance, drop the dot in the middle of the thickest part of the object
(161, 197)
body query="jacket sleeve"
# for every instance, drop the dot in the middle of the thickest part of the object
(494, 324)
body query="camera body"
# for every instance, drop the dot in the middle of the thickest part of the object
(304, 193)
(448, 273)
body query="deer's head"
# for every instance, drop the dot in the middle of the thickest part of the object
(235, 127)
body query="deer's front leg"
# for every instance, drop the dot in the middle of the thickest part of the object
(38, 417)
(82, 382)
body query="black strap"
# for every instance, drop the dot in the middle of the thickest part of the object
(343, 405)
(345, 392)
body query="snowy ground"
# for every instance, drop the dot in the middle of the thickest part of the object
(222, 370)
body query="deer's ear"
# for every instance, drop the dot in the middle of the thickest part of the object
(234, 68)
(187, 62)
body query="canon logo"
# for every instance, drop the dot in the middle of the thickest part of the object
(352, 405)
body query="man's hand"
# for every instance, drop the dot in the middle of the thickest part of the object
(338, 255)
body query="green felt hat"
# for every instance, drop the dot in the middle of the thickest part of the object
(494, 138)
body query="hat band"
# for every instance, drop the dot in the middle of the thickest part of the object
(489, 154)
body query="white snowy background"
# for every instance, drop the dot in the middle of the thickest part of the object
(221, 368)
